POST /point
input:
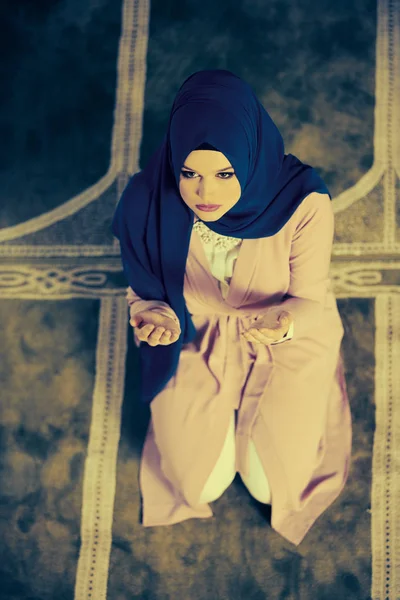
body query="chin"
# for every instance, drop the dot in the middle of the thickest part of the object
(212, 216)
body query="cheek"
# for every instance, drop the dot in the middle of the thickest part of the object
(232, 192)
(234, 189)
(187, 190)
(184, 190)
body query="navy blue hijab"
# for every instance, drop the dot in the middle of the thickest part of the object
(153, 223)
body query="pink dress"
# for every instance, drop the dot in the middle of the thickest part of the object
(291, 396)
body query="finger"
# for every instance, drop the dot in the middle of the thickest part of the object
(262, 338)
(154, 338)
(138, 322)
(286, 317)
(250, 338)
(286, 320)
(162, 338)
(264, 331)
(258, 337)
(143, 325)
(144, 332)
(165, 338)
(272, 333)
(157, 333)
(173, 336)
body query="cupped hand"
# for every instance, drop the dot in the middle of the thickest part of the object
(261, 334)
(154, 328)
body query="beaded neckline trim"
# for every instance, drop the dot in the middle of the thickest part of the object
(220, 241)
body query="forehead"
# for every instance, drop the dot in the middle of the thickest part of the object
(206, 160)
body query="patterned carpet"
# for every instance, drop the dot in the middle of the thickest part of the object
(88, 89)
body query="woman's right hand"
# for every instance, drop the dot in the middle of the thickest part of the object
(154, 328)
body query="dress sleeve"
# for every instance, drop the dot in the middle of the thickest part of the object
(310, 258)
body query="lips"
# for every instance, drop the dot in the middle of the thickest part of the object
(207, 207)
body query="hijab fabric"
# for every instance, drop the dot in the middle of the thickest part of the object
(212, 109)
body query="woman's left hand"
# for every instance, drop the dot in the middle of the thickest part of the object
(258, 333)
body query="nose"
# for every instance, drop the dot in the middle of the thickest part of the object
(205, 194)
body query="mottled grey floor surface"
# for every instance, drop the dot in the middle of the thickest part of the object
(313, 66)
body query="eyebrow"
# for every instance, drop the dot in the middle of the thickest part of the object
(219, 170)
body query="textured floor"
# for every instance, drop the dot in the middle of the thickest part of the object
(312, 65)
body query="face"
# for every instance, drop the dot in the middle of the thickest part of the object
(207, 177)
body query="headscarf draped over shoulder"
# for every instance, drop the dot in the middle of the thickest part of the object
(153, 223)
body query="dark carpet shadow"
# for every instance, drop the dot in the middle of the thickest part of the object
(264, 510)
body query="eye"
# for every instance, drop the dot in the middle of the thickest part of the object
(186, 174)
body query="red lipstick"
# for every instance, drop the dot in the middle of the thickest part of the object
(208, 207)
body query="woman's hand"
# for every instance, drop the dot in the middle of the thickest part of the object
(154, 328)
(260, 334)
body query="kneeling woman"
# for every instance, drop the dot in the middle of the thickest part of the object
(226, 245)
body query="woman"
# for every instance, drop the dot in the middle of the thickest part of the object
(245, 292)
